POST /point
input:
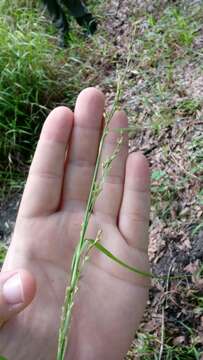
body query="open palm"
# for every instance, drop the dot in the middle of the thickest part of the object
(110, 301)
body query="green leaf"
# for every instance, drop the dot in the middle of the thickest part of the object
(2, 358)
(197, 229)
(158, 174)
(3, 251)
(106, 252)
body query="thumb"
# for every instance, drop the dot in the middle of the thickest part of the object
(17, 290)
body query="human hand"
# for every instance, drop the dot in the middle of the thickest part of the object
(110, 301)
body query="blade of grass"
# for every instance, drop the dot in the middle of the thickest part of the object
(109, 254)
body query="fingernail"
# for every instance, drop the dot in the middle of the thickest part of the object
(13, 290)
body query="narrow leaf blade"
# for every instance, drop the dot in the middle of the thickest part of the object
(106, 252)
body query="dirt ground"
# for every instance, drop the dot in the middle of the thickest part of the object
(173, 320)
(174, 316)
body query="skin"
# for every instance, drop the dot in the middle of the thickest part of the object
(111, 300)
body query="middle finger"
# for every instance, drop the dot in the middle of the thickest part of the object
(83, 149)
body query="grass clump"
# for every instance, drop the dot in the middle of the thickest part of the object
(148, 343)
(189, 106)
(27, 82)
(26, 74)
(35, 76)
(165, 35)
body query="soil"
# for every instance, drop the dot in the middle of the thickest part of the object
(8, 211)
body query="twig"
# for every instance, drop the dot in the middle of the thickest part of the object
(162, 334)
(163, 315)
(181, 167)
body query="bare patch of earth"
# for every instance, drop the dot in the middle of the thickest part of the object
(167, 123)
(8, 211)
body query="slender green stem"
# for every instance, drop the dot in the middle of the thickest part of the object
(76, 261)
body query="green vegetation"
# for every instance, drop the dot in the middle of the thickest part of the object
(35, 76)
(2, 253)
(165, 343)
(148, 343)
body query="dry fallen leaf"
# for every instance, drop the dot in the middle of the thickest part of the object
(179, 340)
